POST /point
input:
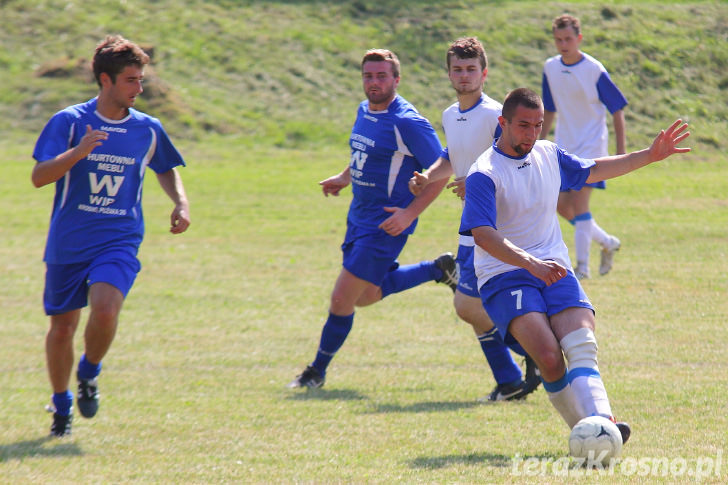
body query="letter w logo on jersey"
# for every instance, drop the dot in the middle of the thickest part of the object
(106, 181)
(358, 158)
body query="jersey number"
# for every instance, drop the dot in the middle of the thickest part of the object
(519, 296)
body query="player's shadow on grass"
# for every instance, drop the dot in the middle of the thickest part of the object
(488, 459)
(425, 407)
(436, 462)
(37, 448)
(328, 395)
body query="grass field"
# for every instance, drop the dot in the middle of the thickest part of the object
(222, 317)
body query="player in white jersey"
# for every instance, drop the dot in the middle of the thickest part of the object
(471, 125)
(96, 153)
(389, 141)
(526, 282)
(579, 89)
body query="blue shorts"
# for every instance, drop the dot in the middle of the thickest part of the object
(66, 285)
(594, 185)
(371, 255)
(515, 293)
(468, 282)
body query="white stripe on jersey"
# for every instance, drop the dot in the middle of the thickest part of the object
(145, 161)
(67, 176)
(396, 162)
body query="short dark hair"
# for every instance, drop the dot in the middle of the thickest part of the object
(113, 54)
(520, 97)
(467, 48)
(378, 55)
(564, 21)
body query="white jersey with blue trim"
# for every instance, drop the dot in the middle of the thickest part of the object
(518, 196)
(97, 204)
(387, 147)
(469, 133)
(581, 94)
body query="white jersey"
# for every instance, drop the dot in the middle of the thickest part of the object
(518, 196)
(469, 133)
(580, 94)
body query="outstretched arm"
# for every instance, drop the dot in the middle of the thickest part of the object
(171, 182)
(664, 145)
(501, 248)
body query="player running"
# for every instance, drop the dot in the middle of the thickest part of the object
(389, 141)
(96, 153)
(471, 125)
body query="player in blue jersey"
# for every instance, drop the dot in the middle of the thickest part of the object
(579, 89)
(471, 125)
(96, 153)
(390, 140)
(526, 281)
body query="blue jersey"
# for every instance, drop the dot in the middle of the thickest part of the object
(97, 204)
(387, 147)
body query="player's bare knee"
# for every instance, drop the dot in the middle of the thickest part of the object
(61, 332)
(105, 314)
(551, 364)
(463, 313)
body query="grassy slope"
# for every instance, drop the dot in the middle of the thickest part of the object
(280, 71)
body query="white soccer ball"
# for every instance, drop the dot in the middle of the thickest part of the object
(595, 439)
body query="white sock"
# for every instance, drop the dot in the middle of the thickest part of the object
(580, 349)
(566, 404)
(582, 242)
(600, 235)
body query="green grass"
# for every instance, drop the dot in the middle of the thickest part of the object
(259, 97)
(221, 318)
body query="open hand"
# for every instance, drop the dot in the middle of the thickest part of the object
(665, 144)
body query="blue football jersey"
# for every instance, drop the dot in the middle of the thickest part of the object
(387, 147)
(97, 204)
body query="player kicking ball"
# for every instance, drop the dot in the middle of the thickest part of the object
(526, 282)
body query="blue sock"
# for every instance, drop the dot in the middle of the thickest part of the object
(581, 217)
(333, 335)
(63, 401)
(87, 370)
(406, 277)
(512, 342)
(505, 370)
(516, 347)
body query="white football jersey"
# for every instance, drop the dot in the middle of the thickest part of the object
(580, 94)
(518, 196)
(469, 133)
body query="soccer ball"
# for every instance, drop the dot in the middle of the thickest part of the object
(595, 439)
